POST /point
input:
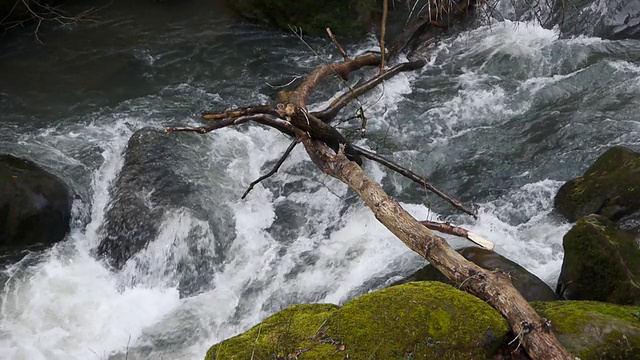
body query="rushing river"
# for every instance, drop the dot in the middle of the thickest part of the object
(501, 117)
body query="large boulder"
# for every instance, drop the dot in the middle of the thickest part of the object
(425, 320)
(529, 285)
(594, 331)
(610, 187)
(35, 206)
(611, 19)
(154, 181)
(353, 17)
(601, 262)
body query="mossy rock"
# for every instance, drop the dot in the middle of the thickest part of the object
(280, 335)
(345, 18)
(529, 285)
(601, 262)
(610, 187)
(594, 331)
(425, 320)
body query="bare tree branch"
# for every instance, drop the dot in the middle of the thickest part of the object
(493, 287)
(415, 178)
(343, 100)
(274, 169)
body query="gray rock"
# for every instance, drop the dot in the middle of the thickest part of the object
(154, 180)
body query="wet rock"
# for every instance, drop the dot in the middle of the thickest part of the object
(610, 187)
(594, 331)
(343, 17)
(154, 180)
(425, 320)
(601, 262)
(529, 285)
(35, 206)
(612, 19)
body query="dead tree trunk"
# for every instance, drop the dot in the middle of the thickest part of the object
(334, 155)
(494, 287)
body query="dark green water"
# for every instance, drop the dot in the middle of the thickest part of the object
(500, 118)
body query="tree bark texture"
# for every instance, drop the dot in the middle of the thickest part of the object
(494, 287)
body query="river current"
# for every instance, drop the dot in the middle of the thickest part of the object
(500, 118)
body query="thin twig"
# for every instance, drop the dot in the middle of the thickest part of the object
(277, 87)
(256, 342)
(337, 44)
(126, 353)
(415, 178)
(343, 100)
(214, 126)
(248, 110)
(383, 30)
(274, 169)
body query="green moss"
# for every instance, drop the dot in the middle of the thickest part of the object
(416, 320)
(423, 320)
(282, 334)
(610, 187)
(593, 330)
(601, 263)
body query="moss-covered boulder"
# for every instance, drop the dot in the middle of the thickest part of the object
(610, 187)
(529, 285)
(601, 262)
(353, 17)
(425, 320)
(594, 331)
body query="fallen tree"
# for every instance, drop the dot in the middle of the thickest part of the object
(332, 153)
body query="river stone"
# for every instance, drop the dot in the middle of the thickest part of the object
(594, 331)
(352, 17)
(610, 19)
(35, 206)
(150, 184)
(601, 262)
(610, 187)
(422, 320)
(529, 285)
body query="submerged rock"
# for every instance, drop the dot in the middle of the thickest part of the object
(35, 206)
(425, 320)
(594, 331)
(529, 285)
(610, 187)
(601, 262)
(154, 181)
